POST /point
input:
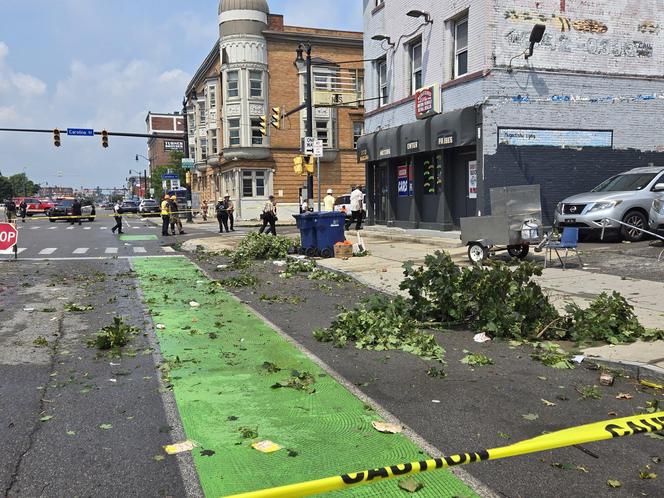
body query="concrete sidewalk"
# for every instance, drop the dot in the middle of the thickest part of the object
(382, 270)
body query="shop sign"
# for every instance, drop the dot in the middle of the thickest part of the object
(413, 146)
(427, 102)
(170, 145)
(385, 152)
(522, 137)
(472, 179)
(364, 155)
(446, 140)
(402, 181)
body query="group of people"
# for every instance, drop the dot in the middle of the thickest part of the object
(11, 210)
(356, 206)
(170, 216)
(224, 210)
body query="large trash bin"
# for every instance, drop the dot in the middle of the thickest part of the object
(329, 231)
(306, 222)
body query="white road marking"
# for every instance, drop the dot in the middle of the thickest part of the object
(35, 228)
(70, 228)
(10, 252)
(87, 228)
(81, 250)
(140, 250)
(20, 250)
(101, 258)
(111, 250)
(48, 250)
(167, 249)
(103, 228)
(52, 228)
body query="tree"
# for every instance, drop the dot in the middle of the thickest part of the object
(6, 189)
(22, 185)
(174, 165)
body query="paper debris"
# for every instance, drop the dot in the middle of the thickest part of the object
(279, 263)
(482, 337)
(174, 449)
(160, 326)
(386, 427)
(29, 310)
(194, 304)
(222, 267)
(435, 401)
(266, 446)
(624, 396)
(579, 358)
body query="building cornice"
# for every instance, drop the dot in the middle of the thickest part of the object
(314, 38)
(204, 69)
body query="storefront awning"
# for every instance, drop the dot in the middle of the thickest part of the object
(453, 129)
(387, 143)
(415, 137)
(366, 148)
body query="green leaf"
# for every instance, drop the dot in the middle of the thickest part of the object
(158, 458)
(106, 426)
(71, 433)
(530, 416)
(46, 418)
(614, 483)
(410, 485)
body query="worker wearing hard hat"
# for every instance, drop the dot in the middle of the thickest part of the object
(165, 215)
(175, 216)
(329, 200)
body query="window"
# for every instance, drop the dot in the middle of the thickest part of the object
(234, 132)
(232, 84)
(214, 145)
(322, 132)
(256, 135)
(191, 123)
(256, 84)
(212, 96)
(432, 175)
(461, 47)
(192, 151)
(253, 184)
(358, 131)
(383, 92)
(202, 115)
(379, 2)
(416, 66)
(203, 144)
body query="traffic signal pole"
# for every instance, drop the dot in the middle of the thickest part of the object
(190, 217)
(308, 100)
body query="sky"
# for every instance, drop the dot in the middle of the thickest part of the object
(103, 65)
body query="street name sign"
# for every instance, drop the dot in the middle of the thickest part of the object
(170, 176)
(8, 236)
(187, 163)
(80, 132)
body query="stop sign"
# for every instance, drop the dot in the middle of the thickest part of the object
(8, 236)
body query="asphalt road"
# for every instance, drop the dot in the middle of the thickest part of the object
(478, 408)
(76, 421)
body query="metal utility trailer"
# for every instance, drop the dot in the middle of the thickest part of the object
(515, 223)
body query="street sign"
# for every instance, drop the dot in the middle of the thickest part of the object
(80, 132)
(187, 163)
(175, 184)
(170, 176)
(8, 236)
(308, 146)
(318, 148)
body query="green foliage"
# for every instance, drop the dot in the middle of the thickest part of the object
(78, 308)
(300, 381)
(330, 276)
(6, 189)
(262, 247)
(17, 186)
(242, 280)
(381, 324)
(40, 342)
(296, 266)
(114, 336)
(552, 355)
(175, 165)
(609, 318)
(589, 392)
(496, 299)
(476, 359)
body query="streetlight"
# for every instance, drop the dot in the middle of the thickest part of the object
(303, 64)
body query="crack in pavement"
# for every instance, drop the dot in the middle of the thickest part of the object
(38, 424)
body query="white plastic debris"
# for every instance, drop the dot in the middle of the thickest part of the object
(435, 401)
(194, 304)
(279, 263)
(481, 337)
(579, 358)
(28, 310)
(222, 267)
(160, 326)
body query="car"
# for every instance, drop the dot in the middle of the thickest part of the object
(35, 206)
(128, 207)
(657, 216)
(342, 203)
(63, 209)
(149, 206)
(627, 197)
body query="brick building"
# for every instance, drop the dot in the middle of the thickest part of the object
(250, 70)
(159, 149)
(581, 109)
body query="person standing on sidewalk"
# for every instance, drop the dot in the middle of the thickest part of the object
(165, 215)
(23, 207)
(117, 214)
(175, 216)
(76, 212)
(222, 215)
(269, 216)
(204, 210)
(356, 207)
(329, 200)
(10, 211)
(230, 208)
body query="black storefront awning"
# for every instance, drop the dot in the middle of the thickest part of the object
(454, 129)
(387, 143)
(366, 148)
(415, 137)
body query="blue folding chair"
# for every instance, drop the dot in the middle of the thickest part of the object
(569, 242)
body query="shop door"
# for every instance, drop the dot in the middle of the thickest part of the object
(381, 189)
(464, 191)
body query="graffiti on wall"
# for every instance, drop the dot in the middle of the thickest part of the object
(560, 22)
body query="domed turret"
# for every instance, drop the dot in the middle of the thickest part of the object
(242, 17)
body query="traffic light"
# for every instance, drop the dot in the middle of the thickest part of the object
(309, 162)
(276, 117)
(56, 137)
(187, 177)
(104, 139)
(298, 165)
(264, 125)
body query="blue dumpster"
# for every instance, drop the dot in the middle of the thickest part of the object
(329, 231)
(307, 224)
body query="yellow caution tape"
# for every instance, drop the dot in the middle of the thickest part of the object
(598, 431)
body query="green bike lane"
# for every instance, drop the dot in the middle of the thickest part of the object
(223, 360)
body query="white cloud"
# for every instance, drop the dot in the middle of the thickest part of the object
(27, 85)
(4, 50)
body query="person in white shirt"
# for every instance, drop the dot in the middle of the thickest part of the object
(118, 218)
(269, 216)
(357, 207)
(329, 200)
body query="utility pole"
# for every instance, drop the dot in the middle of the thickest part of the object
(190, 218)
(308, 102)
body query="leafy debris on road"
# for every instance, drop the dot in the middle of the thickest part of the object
(106, 426)
(256, 246)
(78, 308)
(646, 473)
(589, 392)
(475, 359)
(114, 336)
(270, 367)
(552, 356)
(613, 483)
(547, 402)
(297, 266)
(40, 342)
(624, 396)
(244, 279)
(410, 485)
(300, 381)
(248, 432)
(530, 416)
(45, 418)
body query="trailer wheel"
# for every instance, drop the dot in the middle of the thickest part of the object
(518, 251)
(477, 253)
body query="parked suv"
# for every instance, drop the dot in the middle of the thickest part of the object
(657, 216)
(149, 206)
(627, 197)
(62, 210)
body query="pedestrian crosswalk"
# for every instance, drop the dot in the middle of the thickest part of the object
(62, 226)
(89, 252)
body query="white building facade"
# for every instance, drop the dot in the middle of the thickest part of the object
(585, 106)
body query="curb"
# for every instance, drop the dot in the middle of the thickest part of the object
(430, 241)
(638, 370)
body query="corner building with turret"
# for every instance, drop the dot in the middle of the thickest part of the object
(250, 70)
